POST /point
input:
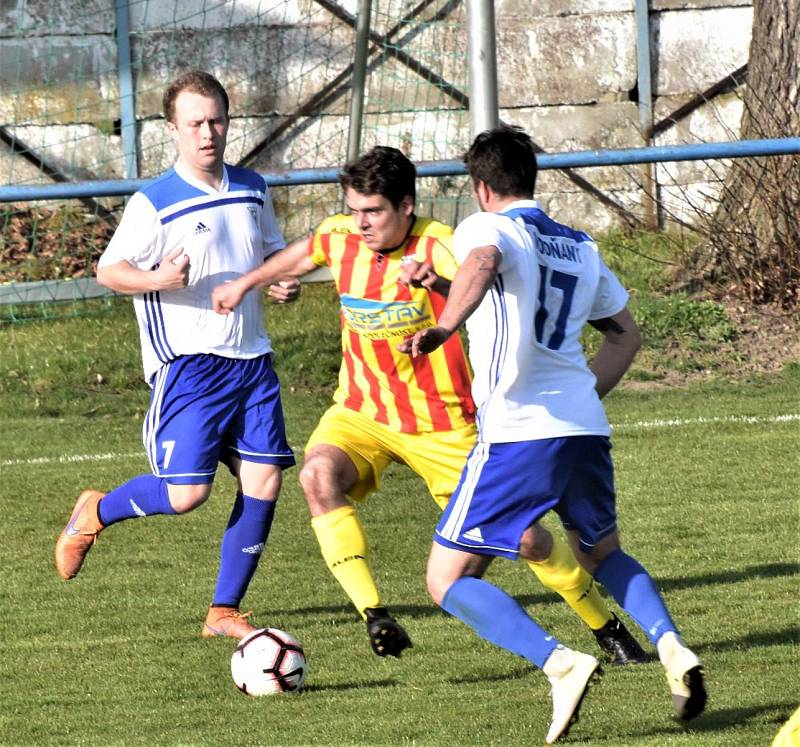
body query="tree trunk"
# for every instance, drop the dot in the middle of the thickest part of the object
(756, 230)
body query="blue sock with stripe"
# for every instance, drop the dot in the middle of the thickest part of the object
(635, 591)
(242, 545)
(145, 495)
(499, 618)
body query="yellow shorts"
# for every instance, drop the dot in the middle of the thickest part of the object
(436, 456)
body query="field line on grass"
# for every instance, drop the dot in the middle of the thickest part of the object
(678, 422)
(641, 424)
(70, 458)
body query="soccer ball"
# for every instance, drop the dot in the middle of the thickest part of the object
(268, 661)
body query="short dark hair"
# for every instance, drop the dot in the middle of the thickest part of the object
(381, 171)
(196, 81)
(505, 159)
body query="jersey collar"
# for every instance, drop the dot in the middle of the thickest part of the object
(184, 173)
(391, 249)
(521, 204)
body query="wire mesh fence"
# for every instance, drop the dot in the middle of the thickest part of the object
(569, 76)
(287, 67)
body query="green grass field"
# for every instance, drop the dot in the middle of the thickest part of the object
(708, 498)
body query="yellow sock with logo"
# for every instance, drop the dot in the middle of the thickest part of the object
(562, 573)
(344, 548)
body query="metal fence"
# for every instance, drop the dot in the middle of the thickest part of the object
(310, 84)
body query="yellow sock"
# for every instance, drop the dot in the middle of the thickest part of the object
(562, 573)
(344, 548)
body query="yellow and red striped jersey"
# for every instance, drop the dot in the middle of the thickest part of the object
(411, 395)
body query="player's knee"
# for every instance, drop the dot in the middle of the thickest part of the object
(316, 482)
(440, 575)
(322, 485)
(603, 548)
(438, 584)
(536, 544)
(311, 479)
(266, 486)
(184, 498)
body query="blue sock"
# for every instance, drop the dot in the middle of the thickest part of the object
(242, 545)
(498, 617)
(145, 495)
(635, 591)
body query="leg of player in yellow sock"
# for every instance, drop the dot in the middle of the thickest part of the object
(330, 474)
(562, 573)
(344, 548)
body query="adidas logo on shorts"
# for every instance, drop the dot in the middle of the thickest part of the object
(473, 534)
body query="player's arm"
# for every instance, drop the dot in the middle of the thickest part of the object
(289, 263)
(122, 277)
(621, 342)
(470, 284)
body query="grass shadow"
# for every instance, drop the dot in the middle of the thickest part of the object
(345, 686)
(748, 573)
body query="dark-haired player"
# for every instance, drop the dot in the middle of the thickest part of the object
(526, 287)
(392, 270)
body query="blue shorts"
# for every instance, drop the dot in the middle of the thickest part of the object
(205, 409)
(506, 487)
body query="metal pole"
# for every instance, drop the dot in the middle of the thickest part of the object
(645, 86)
(645, 79)
(127, 113)
(455, 167)
(483, 108)
(359, 79)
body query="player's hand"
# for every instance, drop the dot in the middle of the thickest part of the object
(173, 272)
(226, 297)
(417, 274)
(425, 341)
(285, 291)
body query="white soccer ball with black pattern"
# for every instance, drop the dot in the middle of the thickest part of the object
(268, 661)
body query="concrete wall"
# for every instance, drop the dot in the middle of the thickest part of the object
(566, 72)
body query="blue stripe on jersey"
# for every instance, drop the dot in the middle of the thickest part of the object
(152, 329)
(168, 189)
(155, 327)
(498, 335)
(545, 224)
(501, 329)
(500, 344)
(159, 312)
(242, 178)
(213, 203)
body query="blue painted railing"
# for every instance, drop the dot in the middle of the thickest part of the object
(586, 158)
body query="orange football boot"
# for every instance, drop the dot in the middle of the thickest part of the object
(79, 535)
(227, 621)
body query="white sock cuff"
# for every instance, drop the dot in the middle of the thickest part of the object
(668, 645)
(559, 662)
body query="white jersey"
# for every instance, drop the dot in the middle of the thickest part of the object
(225, 234)
(531, 377)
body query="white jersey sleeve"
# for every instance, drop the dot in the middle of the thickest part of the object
(272, 235)
(137, 238)
(611, 296)
(488, 229)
